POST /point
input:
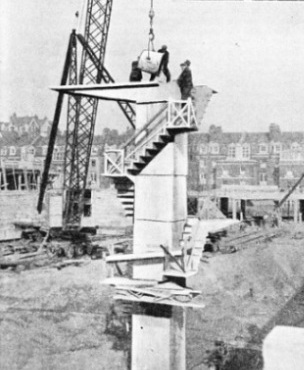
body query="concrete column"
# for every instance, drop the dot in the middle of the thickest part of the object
(233, 208)
(296, 210)
(19, 182)
(160, 203)
(158, 338)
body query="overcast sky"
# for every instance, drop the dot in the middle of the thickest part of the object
(252, 53)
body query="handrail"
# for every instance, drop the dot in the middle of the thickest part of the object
(173, 114)
(133, 138)
(143, 143)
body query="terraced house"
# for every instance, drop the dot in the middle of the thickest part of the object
(219, 158)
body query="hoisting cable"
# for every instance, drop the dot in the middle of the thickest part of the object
(151, 32)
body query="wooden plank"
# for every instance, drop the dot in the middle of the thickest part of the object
(139, 256)
(122, 281)
(168, 302)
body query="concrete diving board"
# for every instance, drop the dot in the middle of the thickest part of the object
(142, 92)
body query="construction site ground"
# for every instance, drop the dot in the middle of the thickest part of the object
(54, 318)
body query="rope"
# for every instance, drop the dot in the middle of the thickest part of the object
(151, 32)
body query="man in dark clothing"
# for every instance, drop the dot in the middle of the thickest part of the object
(136, 74)
(163, 64)
(184, 81)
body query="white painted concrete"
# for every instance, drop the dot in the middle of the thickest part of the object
(150, 342)
(283, 349)
(158, 341)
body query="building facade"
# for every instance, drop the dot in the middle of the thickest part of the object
(23, 148)
(220, 158)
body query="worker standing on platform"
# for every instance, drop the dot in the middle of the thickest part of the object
(136, 74)
(184, 81)
(163, 64)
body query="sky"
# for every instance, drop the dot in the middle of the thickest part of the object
(251, 53)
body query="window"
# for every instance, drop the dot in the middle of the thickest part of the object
(31, 150)
(276, 148)
(263, 148)
(203, 179)
(246, 151)
(263, 177)
(295, 146)
(203, 149)
(58, 154)
(231, 151)
(3, 151)
(93, 162)
(44, 150)
(225, 173)
(12, 150)
(214, 148)
(94, 150)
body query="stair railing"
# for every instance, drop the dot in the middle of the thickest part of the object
(175, 114)
(181, 114)
(114, 162)
(150, 135)
(145, 133)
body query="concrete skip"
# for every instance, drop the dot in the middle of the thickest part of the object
(283, 349)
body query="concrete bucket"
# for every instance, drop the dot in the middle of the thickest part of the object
(149, 61)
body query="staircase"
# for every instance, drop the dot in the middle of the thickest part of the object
(192, 243)
(125, 193)
(123, 164)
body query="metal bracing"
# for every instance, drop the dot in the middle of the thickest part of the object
(71, 180)
(126, 107)
(82, 112)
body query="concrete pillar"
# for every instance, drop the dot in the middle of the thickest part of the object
(158, 338)
(296, 210)
(233, 208)
(283, 349)
(160, 202)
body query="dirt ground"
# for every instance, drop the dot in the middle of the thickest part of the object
(57, 319)
(246, 294)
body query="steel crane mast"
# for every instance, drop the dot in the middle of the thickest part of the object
(82, 111)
